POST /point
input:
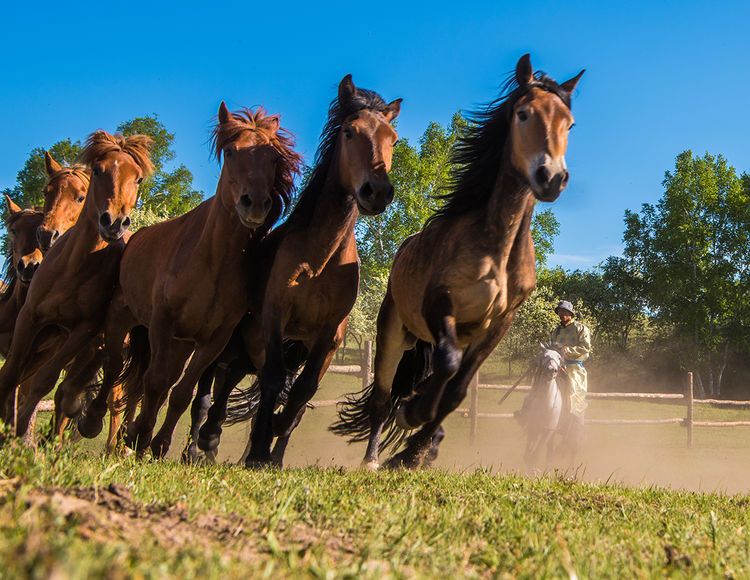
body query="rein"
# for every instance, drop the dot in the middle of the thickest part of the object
(518, 382)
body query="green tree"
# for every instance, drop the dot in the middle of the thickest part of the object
(692, 249)
(30, 180)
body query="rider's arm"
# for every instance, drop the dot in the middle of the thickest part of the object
(581, 350)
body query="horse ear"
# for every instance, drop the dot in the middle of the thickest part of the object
(50, 164)
(346, 89)
(13, 208)
(224, 115)
(524, 72)
(570, 84)
(393, 109)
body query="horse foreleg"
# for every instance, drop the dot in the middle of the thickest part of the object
(198, 414)
(45, 378)
(21, 347)
(438, 313)
(272, 380)
(227, 378)
(182, 393)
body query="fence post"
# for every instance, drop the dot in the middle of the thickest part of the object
(689, 411)
(367, 365)
(473, 408)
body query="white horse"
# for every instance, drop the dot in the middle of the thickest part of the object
(544, 407)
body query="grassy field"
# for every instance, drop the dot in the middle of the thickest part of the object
(74, 514)
(632, 504)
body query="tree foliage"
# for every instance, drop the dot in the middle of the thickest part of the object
(692, 249)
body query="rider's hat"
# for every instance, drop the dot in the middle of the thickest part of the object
(565, 305)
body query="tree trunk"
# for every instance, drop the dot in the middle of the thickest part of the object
(700, 393)
(722, 368)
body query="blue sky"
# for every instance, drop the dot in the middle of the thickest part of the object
(661, 77)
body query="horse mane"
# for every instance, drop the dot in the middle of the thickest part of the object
(480, 151)
(100, 143)
(282, 140)
(8, 273)
(337, 114)
(79, 170)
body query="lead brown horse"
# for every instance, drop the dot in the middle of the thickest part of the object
(307, 275)
(445, 311)
(68, 296)
(185, 280)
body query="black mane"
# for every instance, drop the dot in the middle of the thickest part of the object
(337, 114)
(479, 153)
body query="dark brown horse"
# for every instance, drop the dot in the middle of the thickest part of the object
(21, 262)
(69, 293)
(445, 311)
(307, 273)
(185, 279)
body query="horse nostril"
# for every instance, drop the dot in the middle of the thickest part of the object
(565, 178)
(542, 176)
(246, 201)
(390, 195)
(55, 234)
(126, 222)
(367, 190)
(105, 219)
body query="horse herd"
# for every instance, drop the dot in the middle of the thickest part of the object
(219, 293)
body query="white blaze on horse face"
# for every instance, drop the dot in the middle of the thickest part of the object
(540, 126)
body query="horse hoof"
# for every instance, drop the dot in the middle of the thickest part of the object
(90, 426)
(210, 443)
(259, 462)
(370, 465)
(159, 448)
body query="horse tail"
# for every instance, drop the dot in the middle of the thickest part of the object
(134, 367)
(243, 403)
(354, 421)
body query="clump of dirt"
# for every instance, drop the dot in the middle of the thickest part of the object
(110, 514)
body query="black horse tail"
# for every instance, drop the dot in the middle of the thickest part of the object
(136, 363)
(243, 403)
(354, 412)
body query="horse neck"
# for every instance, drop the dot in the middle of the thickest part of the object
(223, 234)
(508, 213)
(84, 235)
(332, 223)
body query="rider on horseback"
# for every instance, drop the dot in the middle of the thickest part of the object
(573, 340)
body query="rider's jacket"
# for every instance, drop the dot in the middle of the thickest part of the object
(576, 338)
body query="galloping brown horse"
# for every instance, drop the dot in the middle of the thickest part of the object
(21, 262)
(186, 279)
(445, 311)
(64, 195)
(307, 274)
(69, 293)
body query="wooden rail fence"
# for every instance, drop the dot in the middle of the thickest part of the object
(473, 413)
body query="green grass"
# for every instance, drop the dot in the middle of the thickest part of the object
(337, 523)
(472, 516)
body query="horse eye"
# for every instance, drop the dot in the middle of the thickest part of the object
(522, 116)
(139, 180)
(81, 198)
(97, 170)
(571, 126)
(228, 152)
(348, 133)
